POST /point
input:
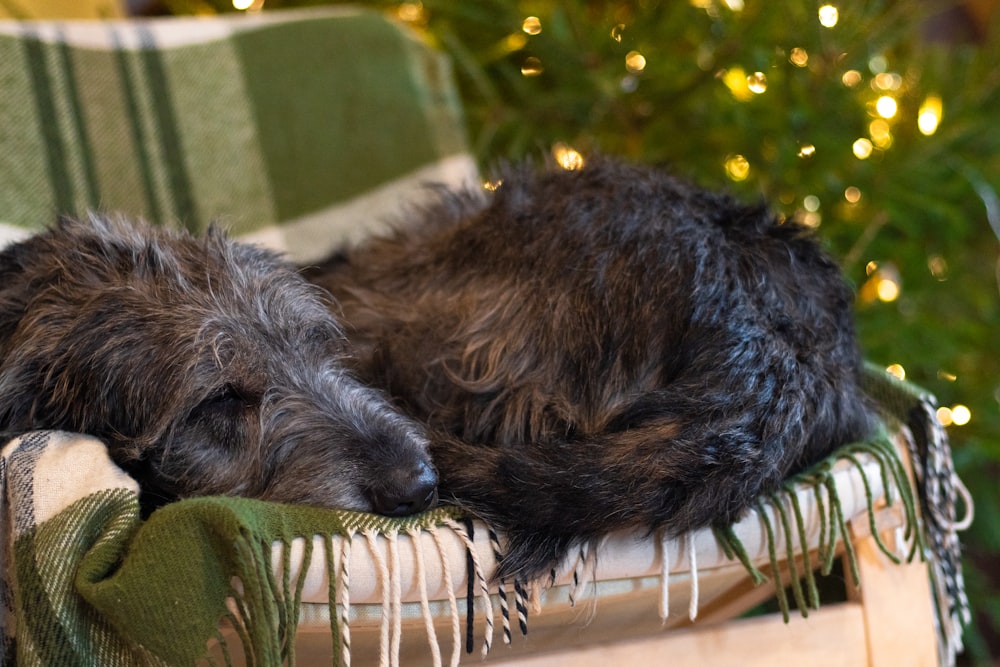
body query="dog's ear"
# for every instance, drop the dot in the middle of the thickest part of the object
(14, 266)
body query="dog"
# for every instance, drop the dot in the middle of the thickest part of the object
(604, 348)
(207, 366)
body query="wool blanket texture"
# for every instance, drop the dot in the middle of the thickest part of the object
(300, 130)
(86, 581)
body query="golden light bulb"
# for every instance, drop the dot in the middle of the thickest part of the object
(886, 106)
(635, 62)
(799, 57)
(532, 25)
(862, 149)
(757, 82)
(960, 415)
(828, 16)
(737, 167)
(568, 157)
(929, 115)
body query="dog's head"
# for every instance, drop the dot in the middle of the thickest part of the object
(208, 366)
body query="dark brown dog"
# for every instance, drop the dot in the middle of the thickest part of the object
(605, 348)
(207, 366)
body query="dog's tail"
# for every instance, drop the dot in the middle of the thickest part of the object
(687, 464)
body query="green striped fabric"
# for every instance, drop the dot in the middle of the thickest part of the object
(291, 128)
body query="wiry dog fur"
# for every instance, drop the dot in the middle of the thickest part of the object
(208, 366)
(605, 348)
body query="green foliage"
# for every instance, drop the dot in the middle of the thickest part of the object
(922, 213)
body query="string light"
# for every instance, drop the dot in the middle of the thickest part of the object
(616, 32)
(946, 376)
(880, 132)
(883, 284)
(887, 81)
(737, 167)
(828, 16)
(736, 81)
(886, 106)
(960, 415)
(807, 150)
(799, 57)
(851, 78)
(411, 12)
(532, 25)
(862, 149)
(897, 371)
(852, 195)
(242, 5)
(938, 267)
(532, 66)
(888, 289)
(568, 157)
(811, 203)
(635, 62)
(929, 115)
(757, 83)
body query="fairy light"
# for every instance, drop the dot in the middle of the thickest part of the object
(734, 5)
(851, 78)
(929, 115)
(828, 16)
(242, 5)
(896, 370)
(532, 25)
(862, 149)
(852, 194)
(880, 132)
(944, 416)
(811, 203)
(737, 167)
(887, 81)
(532, 66)
(887, 289)
(757, 83)
(635, 62)
(807, 150)
(938, 267)
(411, 12)
(568, 157)
(736, 81)
(799, 57)
(492, 185)
(514, 42)
(617, 31)
(886, 106)
(960, 415)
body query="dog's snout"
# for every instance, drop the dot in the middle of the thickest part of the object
(406, 492)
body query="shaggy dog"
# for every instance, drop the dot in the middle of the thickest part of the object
(605, 348)
(207, 366)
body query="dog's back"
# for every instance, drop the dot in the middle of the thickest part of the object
(605, 348)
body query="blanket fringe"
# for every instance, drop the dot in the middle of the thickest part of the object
(927, 531)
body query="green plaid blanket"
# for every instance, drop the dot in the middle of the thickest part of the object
(297, 129)
(87, 582)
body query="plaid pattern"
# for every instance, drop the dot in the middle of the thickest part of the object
(292, 128)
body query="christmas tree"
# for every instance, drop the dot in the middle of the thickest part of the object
(875, 122)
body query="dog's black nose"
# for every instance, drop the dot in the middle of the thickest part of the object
(406, 492)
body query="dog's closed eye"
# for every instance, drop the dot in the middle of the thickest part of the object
(227, 400)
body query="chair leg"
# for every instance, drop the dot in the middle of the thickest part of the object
(897, 607)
